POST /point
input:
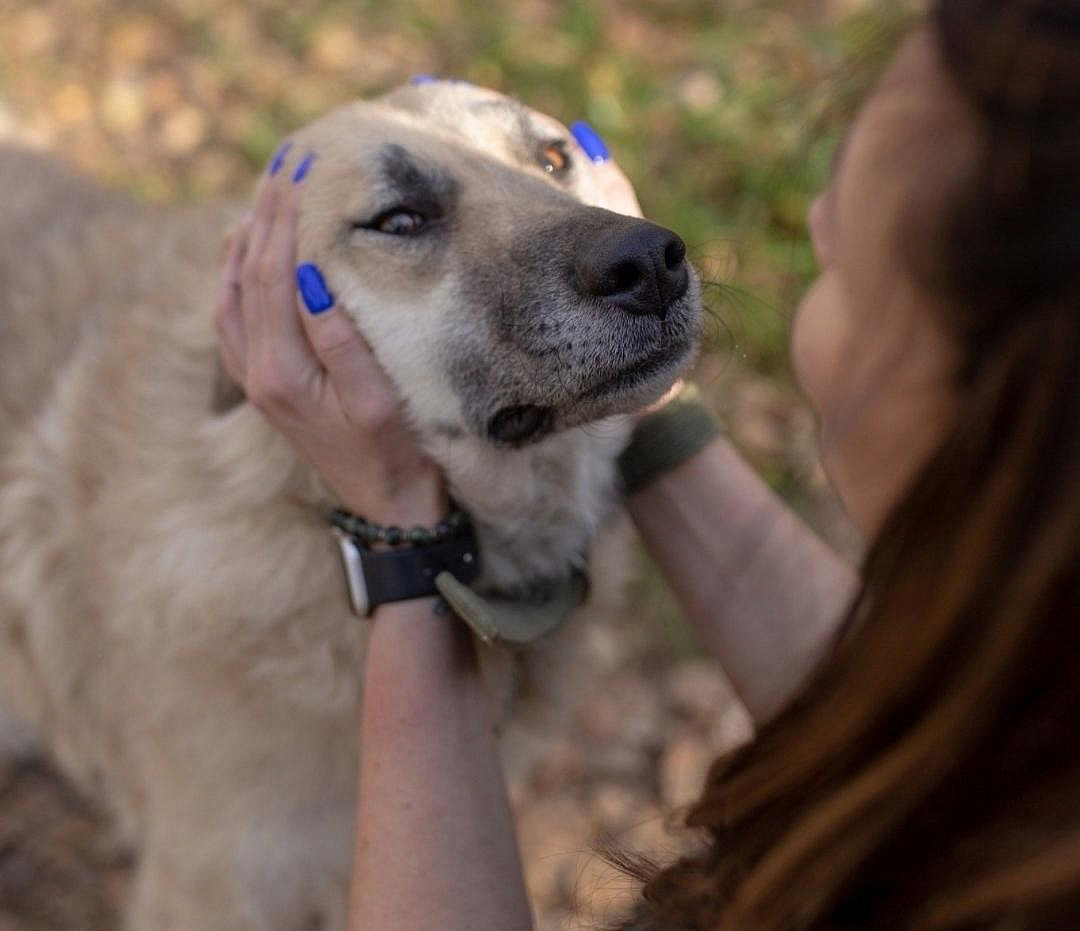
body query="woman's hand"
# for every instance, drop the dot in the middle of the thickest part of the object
(307, 368)
(608, 185)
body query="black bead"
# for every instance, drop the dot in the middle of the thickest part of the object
(394, 535)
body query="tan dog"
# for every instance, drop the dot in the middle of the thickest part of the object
(174, 627)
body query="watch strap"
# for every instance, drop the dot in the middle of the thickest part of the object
(378, 577)
(402, 574)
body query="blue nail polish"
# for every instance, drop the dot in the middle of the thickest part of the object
(303, 168)
(313, 290)
(423, 79)
(589, 139)
(279, 158)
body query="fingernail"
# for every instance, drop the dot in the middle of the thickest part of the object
(313, 289)
(423, 79)
(303, 168)
(279, 158)
(589, 139)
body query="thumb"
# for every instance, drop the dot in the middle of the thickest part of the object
(349, 362)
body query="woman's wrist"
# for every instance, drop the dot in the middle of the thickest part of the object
(669, 433)
(423, 505)
(419, 653)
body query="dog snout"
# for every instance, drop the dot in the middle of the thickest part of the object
(636, 266)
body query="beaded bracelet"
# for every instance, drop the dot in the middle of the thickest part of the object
(454, 525)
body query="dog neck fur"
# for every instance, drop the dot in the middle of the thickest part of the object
(535, 509)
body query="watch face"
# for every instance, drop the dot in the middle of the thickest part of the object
(354, 573)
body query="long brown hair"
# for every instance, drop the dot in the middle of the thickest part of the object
(929, 776)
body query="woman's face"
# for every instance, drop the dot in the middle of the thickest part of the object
(869, 344)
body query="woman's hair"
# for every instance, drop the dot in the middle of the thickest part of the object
(929, 776)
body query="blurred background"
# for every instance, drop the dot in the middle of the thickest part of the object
(723, 114)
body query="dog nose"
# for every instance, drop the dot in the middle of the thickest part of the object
(637, 266)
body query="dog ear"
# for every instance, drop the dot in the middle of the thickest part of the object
(225, 393)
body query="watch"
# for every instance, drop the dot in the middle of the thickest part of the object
(378, 577)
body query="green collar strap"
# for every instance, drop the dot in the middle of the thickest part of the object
(514, 623)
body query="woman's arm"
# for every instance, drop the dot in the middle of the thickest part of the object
(764, 593)
(435, 843)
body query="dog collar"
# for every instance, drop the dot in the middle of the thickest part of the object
(446, 568)
(514, 623)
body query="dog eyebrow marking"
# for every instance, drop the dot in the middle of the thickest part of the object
(511, 107)
(528, 136)
(420, 184)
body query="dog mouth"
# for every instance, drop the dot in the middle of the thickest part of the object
(644, 370)
(521, 424)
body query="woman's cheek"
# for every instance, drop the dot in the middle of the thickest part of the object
(819, 335)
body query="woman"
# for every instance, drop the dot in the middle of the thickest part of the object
(928, 774)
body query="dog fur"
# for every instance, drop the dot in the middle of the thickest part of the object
(174, 629)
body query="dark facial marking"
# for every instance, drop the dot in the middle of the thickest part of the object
(423, 187)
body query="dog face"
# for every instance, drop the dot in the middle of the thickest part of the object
(452, 224)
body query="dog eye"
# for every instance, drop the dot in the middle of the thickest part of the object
(554, 158)
(399, 222)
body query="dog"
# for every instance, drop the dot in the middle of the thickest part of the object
(174, 622)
